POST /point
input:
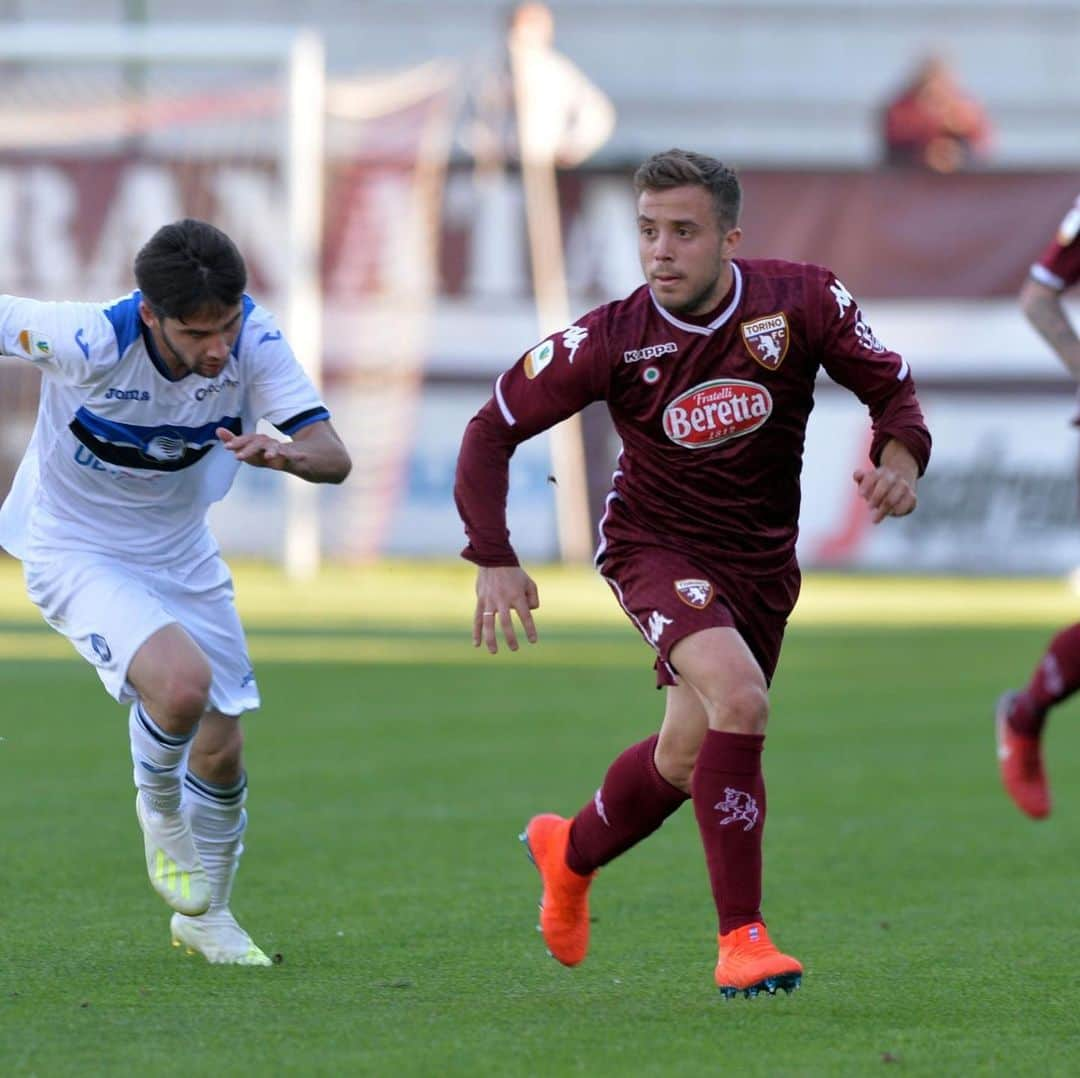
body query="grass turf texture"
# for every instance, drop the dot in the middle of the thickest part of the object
(392, 767)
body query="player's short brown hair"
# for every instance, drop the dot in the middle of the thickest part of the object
(189, 267)
(683, 168)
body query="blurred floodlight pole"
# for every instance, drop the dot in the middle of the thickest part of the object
(561, 119)
(304, 328)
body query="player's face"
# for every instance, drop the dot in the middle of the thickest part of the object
(199, 344)
(685, 250)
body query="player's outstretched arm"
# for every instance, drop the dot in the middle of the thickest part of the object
(1043, 308)
(500, 590)
(889, 489)
(316, 453)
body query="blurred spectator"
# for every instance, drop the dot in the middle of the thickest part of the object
(934, 123)
(568, 116)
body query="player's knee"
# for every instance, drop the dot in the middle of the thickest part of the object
(185, 695)
(675, 764)
(744, 710)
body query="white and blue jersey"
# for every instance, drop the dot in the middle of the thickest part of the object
(124, 459)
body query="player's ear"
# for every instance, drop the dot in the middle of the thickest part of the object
(146, 313)
(731, 241)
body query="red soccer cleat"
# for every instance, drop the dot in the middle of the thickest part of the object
(564, 908)
(750, 963)
(1020, 763)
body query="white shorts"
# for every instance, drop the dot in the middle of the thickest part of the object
(109, 608)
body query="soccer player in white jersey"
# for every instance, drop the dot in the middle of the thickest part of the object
(148, 407)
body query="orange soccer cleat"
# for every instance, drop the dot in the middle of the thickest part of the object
(564, 908)
(1021, 765)
(750, 963)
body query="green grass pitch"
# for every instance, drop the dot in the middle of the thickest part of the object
(391, 770)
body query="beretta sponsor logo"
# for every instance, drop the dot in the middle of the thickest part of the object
(715, 412)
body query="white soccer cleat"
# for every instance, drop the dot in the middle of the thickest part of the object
(218, 938)
(172, 862)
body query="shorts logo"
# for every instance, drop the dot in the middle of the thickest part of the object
(767, 339)
(539, 358)
(101, 647)
(34, 344)
(740, 807)
(657, 624)
(715, 412)
(695, 593)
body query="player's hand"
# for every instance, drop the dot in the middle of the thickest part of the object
(886, 491)
(258, 450)
(499, 591)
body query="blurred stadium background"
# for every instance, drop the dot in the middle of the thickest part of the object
(365, 158)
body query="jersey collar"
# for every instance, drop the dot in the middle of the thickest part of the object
(718, 321)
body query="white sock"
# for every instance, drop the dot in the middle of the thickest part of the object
(160, 760)
(218, 821)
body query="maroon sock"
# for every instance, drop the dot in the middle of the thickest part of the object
(729, 802)
(633, 802)
(1056, 677)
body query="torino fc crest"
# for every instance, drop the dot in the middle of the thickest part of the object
(767, 339)
(695, 593)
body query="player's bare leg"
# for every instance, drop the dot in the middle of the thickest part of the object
(729, 802)
(172, 678)
(215, 792)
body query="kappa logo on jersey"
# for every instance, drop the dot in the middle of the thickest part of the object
(844, 299)
(767, 339)
(539, 358)
(862, 330)
(653, 351)
(657, 624)
(715, 412)
(573, 339)
(114, 394)
(740, 807)
(34, 344)
(695, 593)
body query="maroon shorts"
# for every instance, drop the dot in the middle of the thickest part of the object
(669, 595)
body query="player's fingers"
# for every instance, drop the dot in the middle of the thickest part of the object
(532, 596)
(487, 630)
(507, 624)
(225, 435)
(898, 502)
(526, 620)
(477, 625)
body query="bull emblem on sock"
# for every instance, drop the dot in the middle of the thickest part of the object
(740, 808)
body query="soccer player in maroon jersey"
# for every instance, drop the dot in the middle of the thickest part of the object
(1021, 716)
(708, 371)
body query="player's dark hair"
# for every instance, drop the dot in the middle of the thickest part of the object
(189, 267)
(683, 168)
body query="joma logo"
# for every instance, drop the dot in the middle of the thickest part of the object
(114, 394)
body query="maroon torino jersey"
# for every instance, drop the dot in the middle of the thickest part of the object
(711, 412)
(1059, 265)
